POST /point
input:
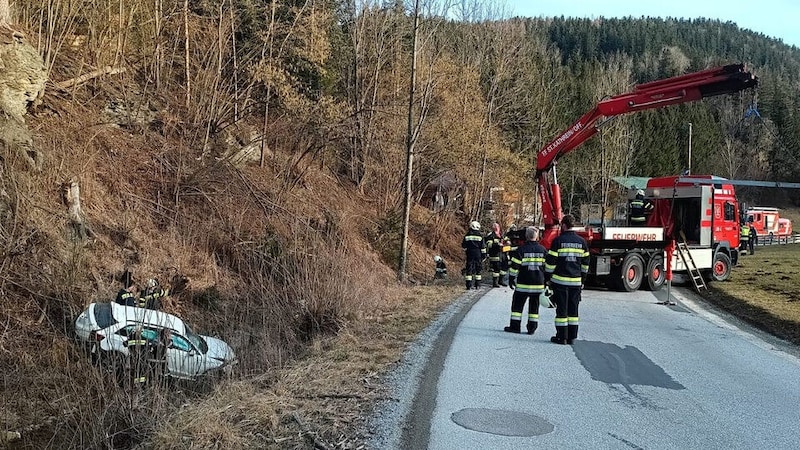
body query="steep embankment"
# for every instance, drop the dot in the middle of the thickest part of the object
(276, 257)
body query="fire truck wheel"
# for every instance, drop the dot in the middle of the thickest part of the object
(656, 274)
(627, 277)
(721, 269)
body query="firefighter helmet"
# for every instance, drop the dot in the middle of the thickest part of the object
(475, 225)
(640, 193)
(545, 298)
(437, 258)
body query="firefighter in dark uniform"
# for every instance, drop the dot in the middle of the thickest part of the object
(138, 349)
(127, 296)
(157, 362)
(510, 244)
(526, 277)
(494, 247)
(475, 251)
(566, 265)
(751, 243)
(640, 208)
(441, 268)
(150, 297)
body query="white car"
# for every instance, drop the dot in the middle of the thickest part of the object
(105, 328)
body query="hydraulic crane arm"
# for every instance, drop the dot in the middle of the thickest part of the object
(656, 94)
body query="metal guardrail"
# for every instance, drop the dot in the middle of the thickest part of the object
(778, 240)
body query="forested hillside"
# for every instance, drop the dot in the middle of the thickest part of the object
(256, 150)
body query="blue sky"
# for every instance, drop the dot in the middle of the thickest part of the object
(774, 18)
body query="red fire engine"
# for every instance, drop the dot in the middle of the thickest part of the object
(700, 212)
(768, 222)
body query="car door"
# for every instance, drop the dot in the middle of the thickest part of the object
(183, 359)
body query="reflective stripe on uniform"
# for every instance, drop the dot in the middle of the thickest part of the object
(566, 281)
(533, 317)
(572, 320)
(530, 288)
(516, 315)
(561, 321)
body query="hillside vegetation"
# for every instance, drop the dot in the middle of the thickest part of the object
(256, 150)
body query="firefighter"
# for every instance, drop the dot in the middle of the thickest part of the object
(475, 251)
(494, 247)
(127, 296)
(566, 266)
(640, 208)
(157, 363)
(136, 363)
(744, 237)
(751, 243)
(526, 277)
(441, 268)
(505, 256)
(150, 297)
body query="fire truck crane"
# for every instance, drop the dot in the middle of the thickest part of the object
(699, 212)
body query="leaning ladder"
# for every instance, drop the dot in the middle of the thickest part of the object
(694, 273)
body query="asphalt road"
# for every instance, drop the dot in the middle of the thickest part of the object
(641, 376)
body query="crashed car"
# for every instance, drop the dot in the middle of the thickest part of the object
(106, 327)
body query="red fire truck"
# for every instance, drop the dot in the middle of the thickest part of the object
(768, 222)
(698, 212)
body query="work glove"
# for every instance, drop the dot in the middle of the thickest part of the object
(512, 282)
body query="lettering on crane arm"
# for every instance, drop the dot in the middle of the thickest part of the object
(567, 135)
(634, 233)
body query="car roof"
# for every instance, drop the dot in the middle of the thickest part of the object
(131, 314)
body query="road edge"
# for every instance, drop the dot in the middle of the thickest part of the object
(403, 421)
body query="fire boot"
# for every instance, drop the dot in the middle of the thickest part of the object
(495, 282)
(476, 283)
(469, 284)
(560, 337)
(572, 330)
(513, 327)
(532, 327)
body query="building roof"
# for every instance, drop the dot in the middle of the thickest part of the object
(632, 182)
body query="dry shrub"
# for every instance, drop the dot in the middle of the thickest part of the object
(236, 415)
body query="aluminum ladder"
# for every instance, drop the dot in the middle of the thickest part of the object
(694, 273)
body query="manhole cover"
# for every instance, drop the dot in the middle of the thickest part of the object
(502, 422)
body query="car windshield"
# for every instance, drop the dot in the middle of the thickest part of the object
(103, 315)
(196, 340)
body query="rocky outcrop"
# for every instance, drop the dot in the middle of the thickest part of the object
(22, 79)
(22, 75)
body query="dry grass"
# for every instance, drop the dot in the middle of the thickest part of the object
(763, 290)
(292, 273)
(323, 397)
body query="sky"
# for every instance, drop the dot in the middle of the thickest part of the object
(774, 18)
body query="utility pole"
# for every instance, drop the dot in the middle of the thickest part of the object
(410, 142)
(690, 149)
